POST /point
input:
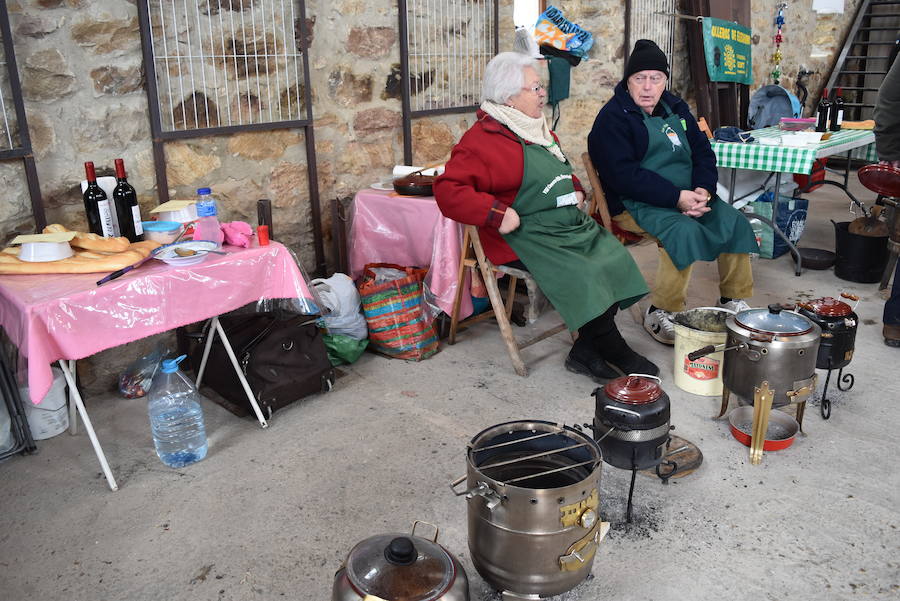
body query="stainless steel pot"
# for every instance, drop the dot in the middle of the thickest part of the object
(533, 490)
(775, 345)
(400, 566)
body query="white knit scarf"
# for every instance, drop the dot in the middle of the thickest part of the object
(530, 129)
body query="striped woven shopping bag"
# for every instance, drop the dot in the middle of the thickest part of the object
(398, 326)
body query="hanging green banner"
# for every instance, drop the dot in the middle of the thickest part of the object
(726, 46)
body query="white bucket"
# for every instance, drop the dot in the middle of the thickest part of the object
(51, 416)
(702, 376)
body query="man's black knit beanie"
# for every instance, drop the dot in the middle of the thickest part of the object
(646, 56)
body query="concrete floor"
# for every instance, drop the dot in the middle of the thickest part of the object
(271, 514)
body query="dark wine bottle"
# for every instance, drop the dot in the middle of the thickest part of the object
(96, 205)
(128, 212)
(837, 112)
(822, 112)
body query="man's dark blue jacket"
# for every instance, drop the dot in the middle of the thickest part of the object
(617, 145)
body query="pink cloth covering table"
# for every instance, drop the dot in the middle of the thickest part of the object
(410, 231)
(66, 317)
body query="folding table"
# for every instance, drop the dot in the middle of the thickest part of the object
(779, 159)
(67, 317)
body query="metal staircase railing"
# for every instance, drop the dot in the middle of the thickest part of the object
(864, 60)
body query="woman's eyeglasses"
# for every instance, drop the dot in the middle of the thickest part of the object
(537, 88)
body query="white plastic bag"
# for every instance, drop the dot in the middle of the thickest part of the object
(339, 294)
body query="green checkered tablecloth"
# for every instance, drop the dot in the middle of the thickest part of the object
(789, 159)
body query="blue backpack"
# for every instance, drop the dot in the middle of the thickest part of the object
(769, 104)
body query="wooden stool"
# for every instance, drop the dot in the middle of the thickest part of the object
(473, 256)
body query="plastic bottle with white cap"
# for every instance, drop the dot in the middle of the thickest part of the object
(207, 227)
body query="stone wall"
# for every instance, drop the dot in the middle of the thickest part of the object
(83, 85)
(81, 68)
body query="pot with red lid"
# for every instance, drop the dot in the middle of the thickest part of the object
(839, 323)
(631, 425)
(631, 421)
(400, 566)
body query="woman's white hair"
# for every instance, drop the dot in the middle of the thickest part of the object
(504, 76)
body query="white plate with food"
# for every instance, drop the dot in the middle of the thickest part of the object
(188, 252)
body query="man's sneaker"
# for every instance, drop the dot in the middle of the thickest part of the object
(736, 304)
(659, 325)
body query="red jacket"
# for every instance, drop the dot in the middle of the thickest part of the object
(481, 180)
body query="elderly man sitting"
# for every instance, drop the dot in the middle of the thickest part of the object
(659, 175)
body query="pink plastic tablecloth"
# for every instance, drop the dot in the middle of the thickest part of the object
(408, 231)
(52, 317)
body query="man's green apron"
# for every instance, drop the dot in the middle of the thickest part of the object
(581, 268)
(723, 229)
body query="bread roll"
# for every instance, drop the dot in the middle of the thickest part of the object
(91, 241)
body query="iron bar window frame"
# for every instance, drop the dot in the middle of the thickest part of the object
(160, 136)
(408, 114)
(24, 150)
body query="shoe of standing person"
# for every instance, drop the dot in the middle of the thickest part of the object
(658, 324)
(891, 335)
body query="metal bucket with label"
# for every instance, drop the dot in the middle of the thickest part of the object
(693, 329)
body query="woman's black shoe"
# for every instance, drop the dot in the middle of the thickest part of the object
(595, 368)
(630, 362)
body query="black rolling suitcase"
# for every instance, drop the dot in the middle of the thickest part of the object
(283, 358)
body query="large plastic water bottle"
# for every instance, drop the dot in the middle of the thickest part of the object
(207, 227)
(176, 418)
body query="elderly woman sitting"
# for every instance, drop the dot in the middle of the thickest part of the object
(509, 177)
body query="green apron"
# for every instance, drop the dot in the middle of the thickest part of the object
(687, 239)
(581, 268)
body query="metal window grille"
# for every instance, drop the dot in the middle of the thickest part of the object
(15, 142)
(444, 47)
(228, 66)
(651, 20)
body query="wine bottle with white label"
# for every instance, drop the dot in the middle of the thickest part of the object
(128, 212)
(96, 205)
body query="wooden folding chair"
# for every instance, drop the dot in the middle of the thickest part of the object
(597, 204)
(473, 256)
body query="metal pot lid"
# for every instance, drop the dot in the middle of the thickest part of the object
(397, 566)
(830, 307)
(774, 320)
(633, 390)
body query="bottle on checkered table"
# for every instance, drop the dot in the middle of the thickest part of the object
(176, 418)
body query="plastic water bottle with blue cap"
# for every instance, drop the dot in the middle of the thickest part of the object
(176, 418)
(207, 227)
